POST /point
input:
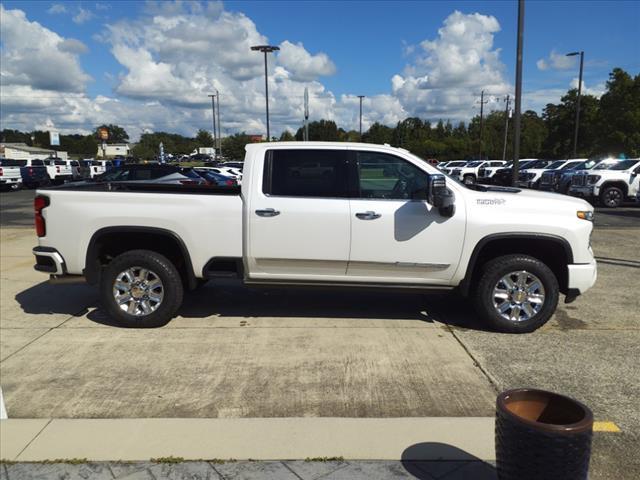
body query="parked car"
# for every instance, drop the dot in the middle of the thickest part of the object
(74, 165)
(152, 173)
(469, 173)
(560, 180)
(10, 177)
(532, 176)
(610, 184)
(33, 173)
(237, 165)
(217, 178)
(59, 171)
(92, 168)
(504, 176)
(512, 251)
(453, 164)
(486, 173)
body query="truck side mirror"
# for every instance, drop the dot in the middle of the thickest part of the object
(440, 196)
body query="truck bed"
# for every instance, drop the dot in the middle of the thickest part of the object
(205, 219)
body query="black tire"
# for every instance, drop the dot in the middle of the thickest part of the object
(493, 271)
(611, 197)
(162, 268)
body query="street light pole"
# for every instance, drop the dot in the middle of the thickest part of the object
(213, 121)
(516, 120)
(219, 125)
(360, 97)
(506, 127)
(575, 133)
(266, 49)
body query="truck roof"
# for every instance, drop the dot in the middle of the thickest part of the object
(340, 145)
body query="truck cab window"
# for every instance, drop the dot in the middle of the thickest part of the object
(306, 173)
(384, 176)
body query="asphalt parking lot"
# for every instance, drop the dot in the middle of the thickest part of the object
(236, 352)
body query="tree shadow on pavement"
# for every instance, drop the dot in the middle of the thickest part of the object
(430, 460)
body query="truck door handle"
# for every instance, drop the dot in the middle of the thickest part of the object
(267, 212)
(368, 215)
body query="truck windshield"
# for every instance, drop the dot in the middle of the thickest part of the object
(621, 165)
(473, 164)
(555, 165)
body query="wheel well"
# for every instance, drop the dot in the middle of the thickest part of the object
(621, 185)
(108, 243)
(553, 252)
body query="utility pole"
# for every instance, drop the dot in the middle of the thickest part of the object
(360, 129)
(506, 127)
(219, 125)
(266, 49)
(575, 133)
(306, 114)
(482, 102)
(516, 120)
(213, 120)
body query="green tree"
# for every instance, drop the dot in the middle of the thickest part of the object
(204, 138)
(322, 130)
(116, 134)
(233, 146)
(618, 122)
(287, 136)
(378, 134)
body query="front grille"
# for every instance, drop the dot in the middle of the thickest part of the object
(547, 178)
(579, 180)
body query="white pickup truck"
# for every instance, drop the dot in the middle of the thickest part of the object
(611, 184)
(10, 176)
(365, 216)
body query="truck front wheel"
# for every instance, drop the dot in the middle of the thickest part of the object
(141, 289)
(516, 293)
(611, 197)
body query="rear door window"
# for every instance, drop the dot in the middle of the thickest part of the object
(306, 173)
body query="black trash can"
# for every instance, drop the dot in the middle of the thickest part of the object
(542, 435)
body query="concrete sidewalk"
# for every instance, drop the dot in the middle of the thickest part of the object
(451, 439)
(337, 469)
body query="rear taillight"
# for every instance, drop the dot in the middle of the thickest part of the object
(57, 169)
(1, 172)
(230, 183)
(39, 204)
(30, 171)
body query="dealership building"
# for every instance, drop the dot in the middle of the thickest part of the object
(22, 151)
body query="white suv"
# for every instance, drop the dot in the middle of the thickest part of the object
(469, 173)
(611, 184)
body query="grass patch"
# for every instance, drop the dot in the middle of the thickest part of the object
(324, 459)
(169, 459)
(69, 461)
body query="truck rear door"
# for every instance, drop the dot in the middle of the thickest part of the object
(297, 218)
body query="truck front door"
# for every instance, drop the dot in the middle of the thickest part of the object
(396, 235)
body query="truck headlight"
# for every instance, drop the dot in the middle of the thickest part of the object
(585, 215)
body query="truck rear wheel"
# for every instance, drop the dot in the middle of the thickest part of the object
(516, 293)
(141, 289)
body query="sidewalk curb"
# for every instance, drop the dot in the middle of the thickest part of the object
(426, 438)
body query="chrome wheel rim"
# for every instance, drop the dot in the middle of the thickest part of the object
(138, 291)
(518, 296)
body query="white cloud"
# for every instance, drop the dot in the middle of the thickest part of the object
(556, 61)
(83, 16)
(597, 90)
(302, 65)
(35, 56)
(449, 72)
(176, 53)
(57, 8)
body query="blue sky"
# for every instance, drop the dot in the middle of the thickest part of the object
(365, 44)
